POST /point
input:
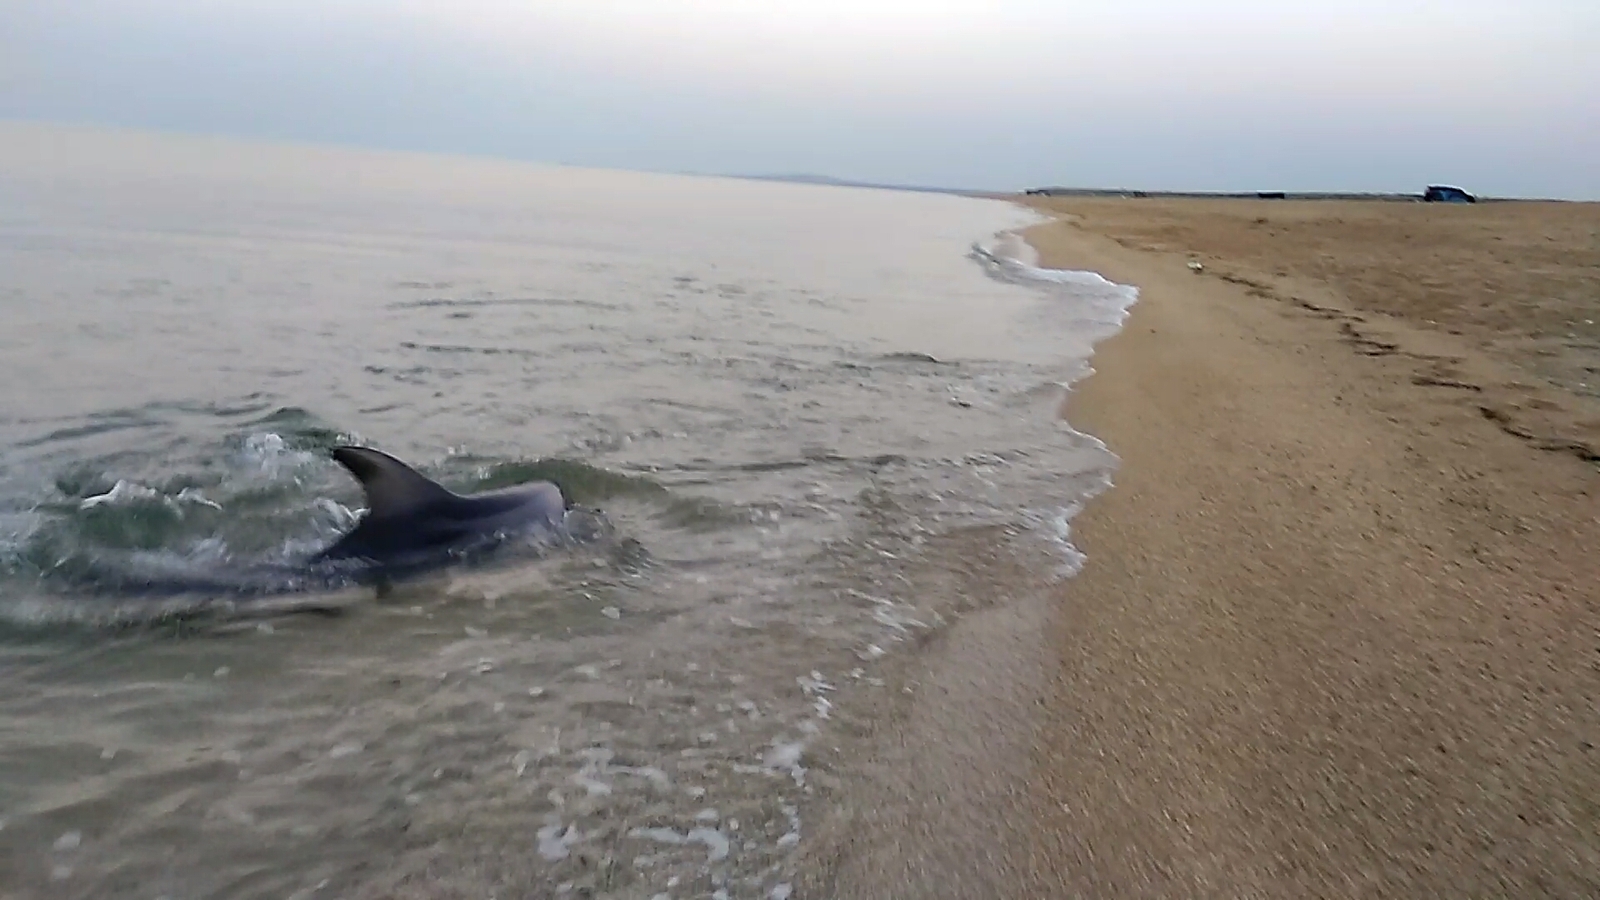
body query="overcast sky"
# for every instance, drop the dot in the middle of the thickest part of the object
(1500, 97)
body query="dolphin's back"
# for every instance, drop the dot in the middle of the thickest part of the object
(534, 504)
(409, 514)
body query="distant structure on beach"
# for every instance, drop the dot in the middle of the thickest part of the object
(1443, 193)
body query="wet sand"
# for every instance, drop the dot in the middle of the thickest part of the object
(1339, 631)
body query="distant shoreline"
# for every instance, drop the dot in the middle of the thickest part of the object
(1219, 195)
(1126, 193)
(1384, 196)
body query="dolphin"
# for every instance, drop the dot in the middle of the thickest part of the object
(412, 524)
(411, 518)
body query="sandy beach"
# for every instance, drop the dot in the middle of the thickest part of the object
(1339, 630)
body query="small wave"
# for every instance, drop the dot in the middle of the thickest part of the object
(464, 348)
(1009, 255)
(579, 481)
(149, 416)
(302, 429)
(106, 524)
(62, 435)
(906, 357)
(481, 302)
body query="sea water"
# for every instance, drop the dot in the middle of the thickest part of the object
(784, 403)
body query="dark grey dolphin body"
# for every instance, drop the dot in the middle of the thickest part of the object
(412, 524)
(411, 518)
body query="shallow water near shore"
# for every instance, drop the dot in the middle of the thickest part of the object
(776, 403)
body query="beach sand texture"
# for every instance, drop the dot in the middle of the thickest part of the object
(1339, 631)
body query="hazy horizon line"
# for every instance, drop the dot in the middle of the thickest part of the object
(815, 179)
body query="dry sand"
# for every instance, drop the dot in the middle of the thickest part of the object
(1339, 632)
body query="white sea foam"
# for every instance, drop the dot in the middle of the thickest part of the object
(122, 492)
(1009, 253)
(125, 492)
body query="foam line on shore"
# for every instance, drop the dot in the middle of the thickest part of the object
(1100, 307)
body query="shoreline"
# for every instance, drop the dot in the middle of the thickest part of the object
(1334, 636)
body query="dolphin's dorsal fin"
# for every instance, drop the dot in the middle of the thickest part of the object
(392, 487)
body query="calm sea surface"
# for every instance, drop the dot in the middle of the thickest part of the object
(777, 403)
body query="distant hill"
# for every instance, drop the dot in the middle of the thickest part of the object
(829, 180)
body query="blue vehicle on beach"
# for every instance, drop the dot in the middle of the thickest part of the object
(1441, 193)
